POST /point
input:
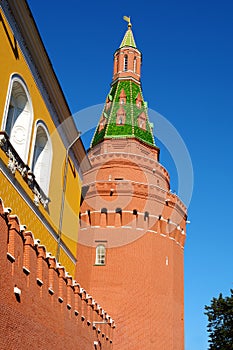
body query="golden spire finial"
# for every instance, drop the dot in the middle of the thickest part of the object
(127, 19)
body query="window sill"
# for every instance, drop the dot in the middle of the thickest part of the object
(99, 264)
(16, 163)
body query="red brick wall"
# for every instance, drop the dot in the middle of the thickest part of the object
(141, 284)
(39, 319)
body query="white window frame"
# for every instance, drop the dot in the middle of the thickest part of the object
(100, 255)
(17, 78)
(41, 124)
(134, 64)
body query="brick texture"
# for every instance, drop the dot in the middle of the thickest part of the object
(142, 225)
(52, 311)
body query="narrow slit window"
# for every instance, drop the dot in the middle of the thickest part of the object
(134, 65)
(125, 63)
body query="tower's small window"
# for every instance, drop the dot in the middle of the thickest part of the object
(102, 123)
(125, 62)
(139, 100)
(123, 97)
(89, 216)
(142, 121)
(100, 255)
(108, 104)
(134, 65)
(121, 115)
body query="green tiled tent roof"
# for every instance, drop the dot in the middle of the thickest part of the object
(128, 39)
(109, 127)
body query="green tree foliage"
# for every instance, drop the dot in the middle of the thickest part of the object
(220, 326)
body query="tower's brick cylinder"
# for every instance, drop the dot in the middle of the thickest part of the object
(130, 210)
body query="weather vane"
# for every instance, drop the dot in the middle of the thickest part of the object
(127, 19)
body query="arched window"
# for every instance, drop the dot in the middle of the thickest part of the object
(18, 117)
(100, 255)
(125, 62)
(117, 64)
(123, 97)
(139, 100)
(121, 115)
(42, 157)
(102, 122)
(142, 121)
(146, 216)
(134, 65)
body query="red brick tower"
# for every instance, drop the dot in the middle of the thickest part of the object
(132, 228)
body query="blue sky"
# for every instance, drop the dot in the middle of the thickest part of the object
(187, 76)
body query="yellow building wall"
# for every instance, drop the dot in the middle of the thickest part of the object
(10, 64)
